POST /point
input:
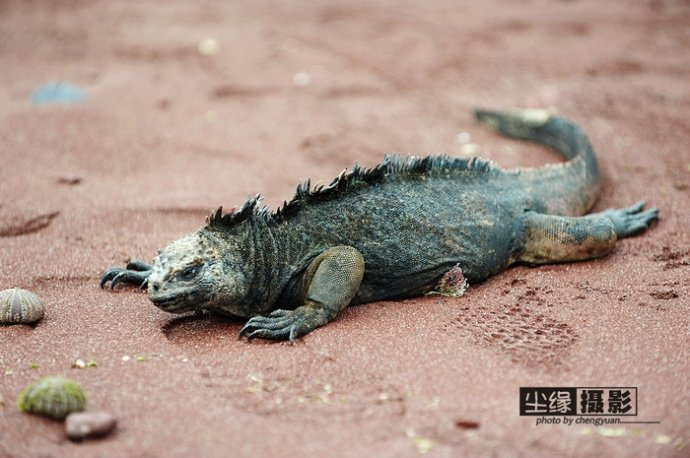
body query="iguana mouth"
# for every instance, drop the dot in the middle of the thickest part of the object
(178, 303)
(167, 303)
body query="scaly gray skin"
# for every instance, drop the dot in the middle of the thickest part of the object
(390, 232)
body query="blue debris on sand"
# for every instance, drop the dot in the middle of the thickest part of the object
(58, 92)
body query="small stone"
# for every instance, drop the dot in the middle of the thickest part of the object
(84, 425)
(70, 180)
(662, 439)
(463, 138)
(58, 92)
(612, 432)
(210, 116)
(424, 444)
(163, 104)
(301, 79)
(467, 424)
(208, 46)
(470, 149)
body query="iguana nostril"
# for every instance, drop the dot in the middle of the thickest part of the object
(156, 286)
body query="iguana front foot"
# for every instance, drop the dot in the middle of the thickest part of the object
(331, 281)
(136, 273)
(286, 324)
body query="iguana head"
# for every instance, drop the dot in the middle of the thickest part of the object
(192, 274)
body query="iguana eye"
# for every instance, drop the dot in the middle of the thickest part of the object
(189, 273)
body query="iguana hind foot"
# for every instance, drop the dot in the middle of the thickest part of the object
(631, 220)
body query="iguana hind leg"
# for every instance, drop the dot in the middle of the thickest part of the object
(552, 238)
(330, 282)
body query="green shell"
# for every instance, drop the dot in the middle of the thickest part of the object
(54, 397)
(19, 306)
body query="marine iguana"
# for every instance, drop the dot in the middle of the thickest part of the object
(394, 231)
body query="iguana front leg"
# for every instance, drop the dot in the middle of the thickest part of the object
(550, 238)
(330, 282)
(136, 273)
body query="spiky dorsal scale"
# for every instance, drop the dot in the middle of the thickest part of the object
(218, 220)
(392, 167)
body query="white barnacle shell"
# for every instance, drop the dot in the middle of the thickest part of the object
(52, 396)
(19, 306)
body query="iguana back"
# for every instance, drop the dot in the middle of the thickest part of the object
(415, 219)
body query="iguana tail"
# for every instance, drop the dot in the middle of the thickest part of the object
(568, 188)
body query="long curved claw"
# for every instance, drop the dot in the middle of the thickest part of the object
(116, 275)
(109, 275)
(277, 334)
(279, 325)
